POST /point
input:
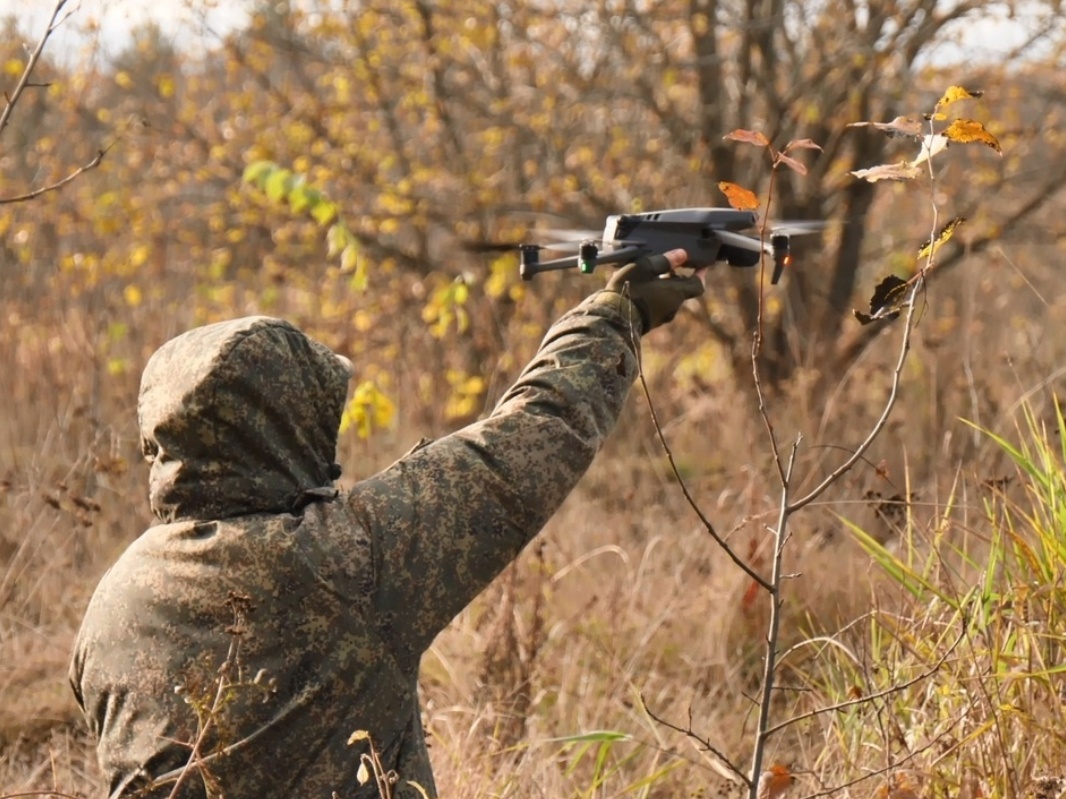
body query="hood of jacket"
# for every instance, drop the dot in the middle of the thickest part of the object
(241, 417)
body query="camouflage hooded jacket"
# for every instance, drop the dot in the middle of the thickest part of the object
(342, 593)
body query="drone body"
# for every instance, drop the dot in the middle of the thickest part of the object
(708, 235)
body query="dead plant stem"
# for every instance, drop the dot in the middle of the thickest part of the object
(774, 631)
(193, 763)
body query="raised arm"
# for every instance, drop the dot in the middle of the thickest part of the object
(449, 517)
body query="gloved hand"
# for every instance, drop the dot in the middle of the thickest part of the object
(656, 292)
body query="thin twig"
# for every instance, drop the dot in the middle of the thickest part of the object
(875, 696)
(5, 115)
(756, 347)
(733, 556)
(935, 741)
(879, 425)
(240, 605)
(95, 162)
(690, 733)
(194, 761)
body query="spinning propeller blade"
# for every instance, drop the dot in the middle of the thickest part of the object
(798, 227)
(511, 246)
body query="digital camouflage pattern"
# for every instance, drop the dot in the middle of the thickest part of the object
(239, 421)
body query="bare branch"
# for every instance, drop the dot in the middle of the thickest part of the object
(890, 403)
(95, 162)
(894, 689)
(24, 80)
(932, 743)
(690, 733)
(774, 633)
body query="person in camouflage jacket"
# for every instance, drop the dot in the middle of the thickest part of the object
(320, 604)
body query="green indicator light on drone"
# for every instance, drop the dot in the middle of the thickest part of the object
(586, 257)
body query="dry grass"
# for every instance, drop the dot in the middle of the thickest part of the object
(624, 597)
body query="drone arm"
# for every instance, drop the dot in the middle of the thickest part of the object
(624, 255)
(531, 266)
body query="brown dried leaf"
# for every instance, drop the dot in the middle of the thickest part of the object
(965, 131)
(887, 300)
(802, 144)
(740, 198)
(791, 162)
(748, 137)
(900, 126)
(904, 170)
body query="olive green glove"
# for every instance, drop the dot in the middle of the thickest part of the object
(657, 294)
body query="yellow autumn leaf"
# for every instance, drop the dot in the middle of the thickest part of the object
(422, 791)
(139, 255)
(132, 295)
(966, 131)
(955, 93)
(740, 198)
(164, 84)
(946, 232)
(369, 408)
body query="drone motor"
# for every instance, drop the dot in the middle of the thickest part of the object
(782, 255)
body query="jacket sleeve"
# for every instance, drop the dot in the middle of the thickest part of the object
(449, 517)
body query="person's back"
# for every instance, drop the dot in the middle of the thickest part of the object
(268, 595)
(256, 565)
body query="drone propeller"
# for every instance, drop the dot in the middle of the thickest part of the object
(751, 241)
(490, 246)
(570, 234)
(797, 227)
(511, 246)
(569, 245)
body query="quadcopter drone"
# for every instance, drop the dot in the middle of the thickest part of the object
(708, 235)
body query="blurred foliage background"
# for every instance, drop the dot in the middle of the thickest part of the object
(325, 162)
